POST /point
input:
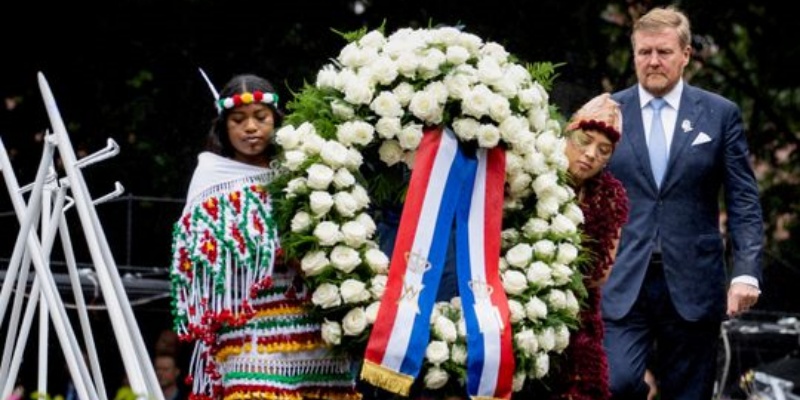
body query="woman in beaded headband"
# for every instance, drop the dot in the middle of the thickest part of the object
(243, 307)
(239, 91)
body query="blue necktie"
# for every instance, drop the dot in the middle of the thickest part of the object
(658, 142)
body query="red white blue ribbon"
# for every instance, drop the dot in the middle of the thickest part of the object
(446, 180)
(490, 356)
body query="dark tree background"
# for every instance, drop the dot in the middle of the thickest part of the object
(128, 70)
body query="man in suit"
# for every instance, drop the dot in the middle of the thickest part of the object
(667, 289)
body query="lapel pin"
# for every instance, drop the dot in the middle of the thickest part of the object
(686, 125)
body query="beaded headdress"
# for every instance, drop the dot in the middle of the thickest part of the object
(601, 114)
(239, 99)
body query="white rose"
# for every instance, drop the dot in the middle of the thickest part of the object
(333, 153)
(300, 222)
(489, 70)
(559, 161)
(436, 378)
(404, 91)
(326, 77)
(544, 250)
(287, 137)
(342, 110)
(383, 70)
(458, 353)
(519, 184)
(410, 136)
(377, 285)
(527, 342)
(548, 143)
(296, 186)
(314, 263)
(437, 352)
(343, 178)
(372, 312)
(535, 228)
(563, 226)
(544, 183)
(373, 39)
(514, 282)
(361, 196)
(547, 339)
(516, 311)
(354, 322)
(538, 116)
(326, 296)
(331, 332)
(377, 261)
(567, 253)
(345, 258)
(312, 143)
(488, 136)
(358, 91)
(368, 223)
(354, 159)
(445, 329)
(388, 128)
(546, 206)
(535, 163)
(539, 274)
(320, 202)
(354, 234)
(476, 102)
(520, 255)
(499, 109)
(294, 159)
(513, 163)
(387, 105)
(319, 176)
(346, 205)
(574, 213)
(466, 128)
(509, 236)
(557, 299)
(390, 152)
(562, 338)
(541, 365)
(457, 55)
(363, 133)
(327, 232)
(535, 309)
(572, 303)
(502, 265)
(562, 274)
(354, 291)
(519, 381)
(457, 84)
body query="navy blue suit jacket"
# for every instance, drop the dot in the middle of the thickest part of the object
(686, 210)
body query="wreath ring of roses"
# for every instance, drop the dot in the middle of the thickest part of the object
(347, 143)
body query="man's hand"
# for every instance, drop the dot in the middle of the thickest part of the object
(741, 297)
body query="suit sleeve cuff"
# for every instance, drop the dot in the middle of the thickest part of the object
(747, 279)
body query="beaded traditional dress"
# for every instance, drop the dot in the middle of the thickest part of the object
(246, 312)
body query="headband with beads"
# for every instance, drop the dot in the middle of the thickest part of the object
(246, 98)
(239, 99)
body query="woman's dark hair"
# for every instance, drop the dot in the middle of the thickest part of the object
(218, 140)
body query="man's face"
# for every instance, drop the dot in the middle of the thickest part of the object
(659, 59)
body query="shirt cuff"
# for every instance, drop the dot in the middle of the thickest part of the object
(750, 280)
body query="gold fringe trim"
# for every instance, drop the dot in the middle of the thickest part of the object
(384, 378)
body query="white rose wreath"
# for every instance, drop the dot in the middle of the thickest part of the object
(347, 145)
